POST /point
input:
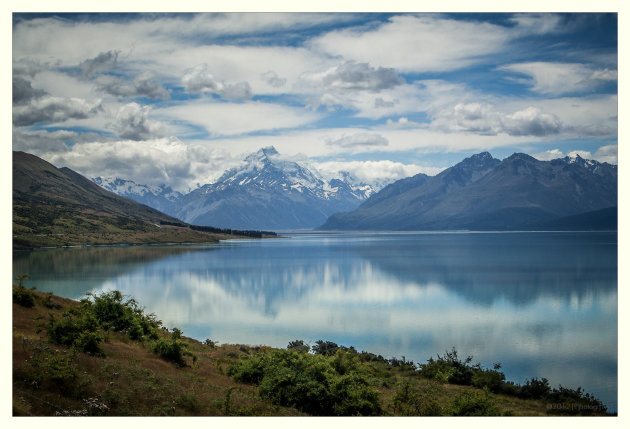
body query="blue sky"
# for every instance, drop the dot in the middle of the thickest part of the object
(179, 98)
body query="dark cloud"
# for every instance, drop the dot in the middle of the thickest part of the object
(23, 92)
(199, 79)
(144, 85)
(102, 62)
(360, 76)
(53, 109)
(43, 141)
(359, 139)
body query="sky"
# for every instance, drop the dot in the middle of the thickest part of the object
(178, 98)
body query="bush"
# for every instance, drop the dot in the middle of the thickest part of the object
(449, 369)
(310, 383)
(417, 400)
(172, 351)
(566, 401)
(474, 403)
(534, 389)
(21, 295)
(492, 380)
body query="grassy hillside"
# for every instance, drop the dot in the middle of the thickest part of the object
(59, 207)
(105, 356)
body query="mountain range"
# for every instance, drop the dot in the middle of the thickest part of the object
(484, 193)
(267, 191)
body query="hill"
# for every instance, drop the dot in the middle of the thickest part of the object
(483, 193)
(59, 207)
(103, 356)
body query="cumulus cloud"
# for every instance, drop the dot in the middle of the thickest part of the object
(531, 122)
(132, 122)
(102, 62)
(53, 109)
(199, 79)
(358, 140)
(383, 172)
(272, 78)
(23, 92)
(548, 155)
(560, 78)
(184, 166)
(402, 122)
(352, 76)
(482, 118)
(606, 153)
(144, 85)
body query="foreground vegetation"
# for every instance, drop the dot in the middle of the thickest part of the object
(105, 356)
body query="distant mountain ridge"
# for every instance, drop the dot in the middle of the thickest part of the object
(482, 192)
(159, 197)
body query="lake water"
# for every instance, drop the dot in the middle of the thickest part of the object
(542, 304)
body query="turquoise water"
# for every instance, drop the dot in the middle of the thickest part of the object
(542, 304)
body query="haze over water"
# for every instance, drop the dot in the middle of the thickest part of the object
(542, 304)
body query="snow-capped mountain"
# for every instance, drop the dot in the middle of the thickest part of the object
(159, 197)
(269, 191)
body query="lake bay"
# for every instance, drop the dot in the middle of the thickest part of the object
(541, 304)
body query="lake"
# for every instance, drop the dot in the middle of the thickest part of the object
(541, 304)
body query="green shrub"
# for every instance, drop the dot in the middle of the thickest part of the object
(566, 401)
(474, 403)
(449, 368)
(534, 389)
(171, 351)
(493, 380)
(23, 296)
(417, 400)
(310, 383)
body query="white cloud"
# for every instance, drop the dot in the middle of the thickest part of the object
(607, 154)
(482, 118)
(153, 162)
(548, 155)
(370, 171)
(220, 118)
(358, 140)
(416, 43)
(561, 78)
(199, 79)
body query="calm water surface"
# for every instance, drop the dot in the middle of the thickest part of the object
(542, 304)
